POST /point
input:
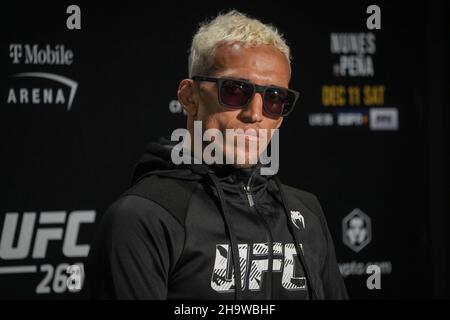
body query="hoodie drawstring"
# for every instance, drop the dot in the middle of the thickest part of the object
(234, 246)
(312, 292)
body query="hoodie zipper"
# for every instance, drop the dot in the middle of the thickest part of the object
(251, 203)
(248, 192)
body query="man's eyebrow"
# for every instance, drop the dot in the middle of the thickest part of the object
(269, 85)
(239, 78)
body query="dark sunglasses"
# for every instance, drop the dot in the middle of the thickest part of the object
(237, 94)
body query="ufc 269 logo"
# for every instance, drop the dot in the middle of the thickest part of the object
(25, 240)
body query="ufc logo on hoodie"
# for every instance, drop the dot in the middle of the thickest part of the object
(222, 279)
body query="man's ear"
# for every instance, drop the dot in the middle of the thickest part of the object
(187, 96)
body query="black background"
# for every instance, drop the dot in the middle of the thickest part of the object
(128, 61)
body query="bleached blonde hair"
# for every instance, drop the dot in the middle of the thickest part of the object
(231, 27)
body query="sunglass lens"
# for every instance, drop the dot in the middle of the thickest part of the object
(235, 93)
(278, 101)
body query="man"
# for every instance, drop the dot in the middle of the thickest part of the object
(219, 231)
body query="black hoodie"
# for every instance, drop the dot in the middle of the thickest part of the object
(176, 232)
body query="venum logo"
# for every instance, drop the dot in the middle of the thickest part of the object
(254, 263)
(297, 219)
(356, 230)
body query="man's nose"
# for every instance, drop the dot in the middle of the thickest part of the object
(254, 110)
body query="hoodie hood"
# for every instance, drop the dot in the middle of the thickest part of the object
(224, 180)
(157, 160)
